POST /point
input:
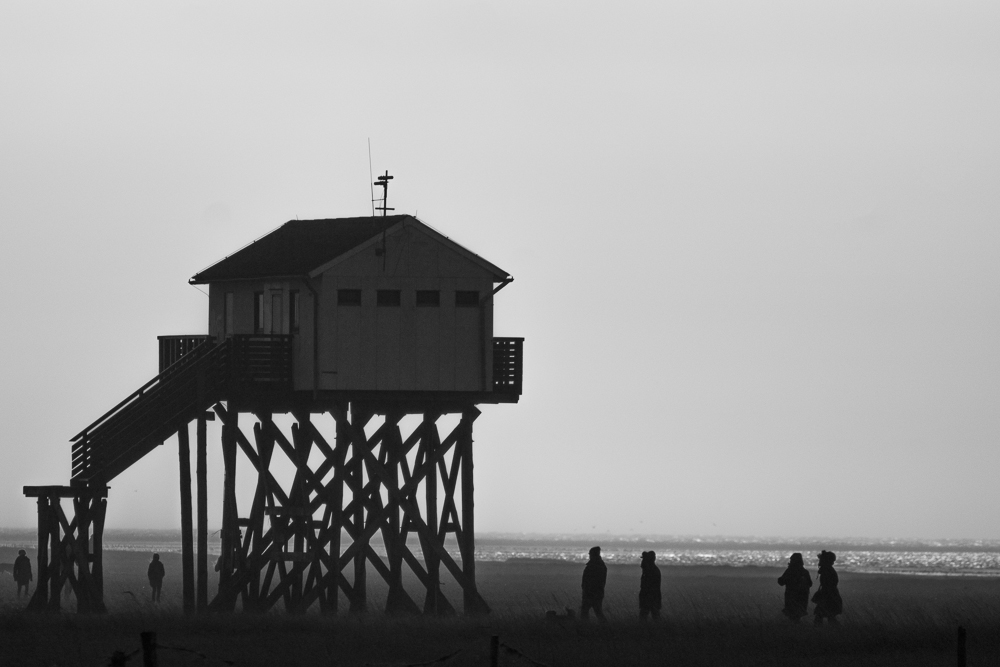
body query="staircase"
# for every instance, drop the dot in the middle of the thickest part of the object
(201, 377)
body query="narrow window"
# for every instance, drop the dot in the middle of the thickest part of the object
(227, 322)
(293, 311)
(428, 297)
(258, 312)
(387, 297)
(348, 297)
(466, 298)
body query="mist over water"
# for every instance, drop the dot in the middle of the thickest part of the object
(888, 556)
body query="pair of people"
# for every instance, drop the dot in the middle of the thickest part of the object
(595, 575)
(797, 583)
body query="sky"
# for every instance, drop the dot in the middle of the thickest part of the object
(754, 244)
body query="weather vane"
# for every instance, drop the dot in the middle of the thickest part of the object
(383, 181)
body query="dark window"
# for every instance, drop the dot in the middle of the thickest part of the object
(293, 311)
(348, 297)
(428, 297)
(466, 298)
(387, 297)
(258, 312)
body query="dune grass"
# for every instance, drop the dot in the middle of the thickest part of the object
(711, 616)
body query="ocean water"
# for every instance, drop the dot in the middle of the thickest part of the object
(913, 557)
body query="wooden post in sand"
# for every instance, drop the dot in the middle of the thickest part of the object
(187, 539)
(201, 471)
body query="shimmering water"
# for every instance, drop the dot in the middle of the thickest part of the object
(929, 557)
(966, 557)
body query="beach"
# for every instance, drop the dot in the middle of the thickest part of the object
(712, 615)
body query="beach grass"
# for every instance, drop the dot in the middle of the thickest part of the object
(712, 616)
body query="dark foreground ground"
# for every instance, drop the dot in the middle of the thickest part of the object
(711, 616)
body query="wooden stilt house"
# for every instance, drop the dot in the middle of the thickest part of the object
(358, 318)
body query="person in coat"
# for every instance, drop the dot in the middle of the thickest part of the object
(649, 587)
(828, 601)
(155, 572)
(595, 575)
(22, 572)
(797, 583)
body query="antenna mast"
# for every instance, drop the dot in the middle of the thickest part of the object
(370, 174)
(383, 182)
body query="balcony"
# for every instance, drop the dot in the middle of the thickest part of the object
(508, 360)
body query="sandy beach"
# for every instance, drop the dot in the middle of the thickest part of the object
(711, 615)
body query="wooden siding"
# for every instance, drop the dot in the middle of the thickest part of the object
(386, 348)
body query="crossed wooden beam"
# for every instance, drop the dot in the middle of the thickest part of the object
(288, 548)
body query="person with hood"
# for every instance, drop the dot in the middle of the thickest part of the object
(22, 572)
(155, 572)
(797, 583)
(595, 575)
(649, 587)
(828, 601)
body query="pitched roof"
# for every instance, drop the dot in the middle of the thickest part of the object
(301, 246)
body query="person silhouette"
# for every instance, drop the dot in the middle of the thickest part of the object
(22, 572)
(797, 583)
(828, 601)
(156, 572)
(595, 575)
(649, 587)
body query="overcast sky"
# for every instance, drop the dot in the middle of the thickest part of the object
(754, 243)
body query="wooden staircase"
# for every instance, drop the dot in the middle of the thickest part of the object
(201, 377)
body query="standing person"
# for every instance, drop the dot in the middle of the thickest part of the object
(595, 575)
(22, 572)
(828, 601)
(649, 587)
(797, 583)
(155, 572)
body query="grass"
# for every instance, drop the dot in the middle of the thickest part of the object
(711, 616)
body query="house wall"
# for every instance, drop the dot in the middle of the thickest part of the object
(406, 347)
(277, 315)
(371, 347)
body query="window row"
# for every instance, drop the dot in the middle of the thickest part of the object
(425, 298)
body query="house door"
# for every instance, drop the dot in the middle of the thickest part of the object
(276, 313)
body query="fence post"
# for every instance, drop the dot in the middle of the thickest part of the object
(961, 646)
(494, 651)
(148, 648)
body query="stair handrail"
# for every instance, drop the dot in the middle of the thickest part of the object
(196, 353)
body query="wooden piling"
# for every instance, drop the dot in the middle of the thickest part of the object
(187, 537)
(201, 471)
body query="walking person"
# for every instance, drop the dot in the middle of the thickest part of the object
(22, 572)
(797, 583)
(649, 587)
(156, 572)
(595, 575)
(828, 601)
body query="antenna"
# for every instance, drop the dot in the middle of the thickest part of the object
(383, 181)
(372, 187)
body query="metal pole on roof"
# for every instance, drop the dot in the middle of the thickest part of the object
(383, 181)
(371, 187)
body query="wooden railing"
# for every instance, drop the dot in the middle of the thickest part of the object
(508, 358)
(203, 375)
(261, 358)
(172, 348)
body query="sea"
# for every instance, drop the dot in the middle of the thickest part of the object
(967, 558)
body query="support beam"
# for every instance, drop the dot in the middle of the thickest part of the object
(201, 470)
(473, 601)
(187, 537)
(226, 600)
(291, 549)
